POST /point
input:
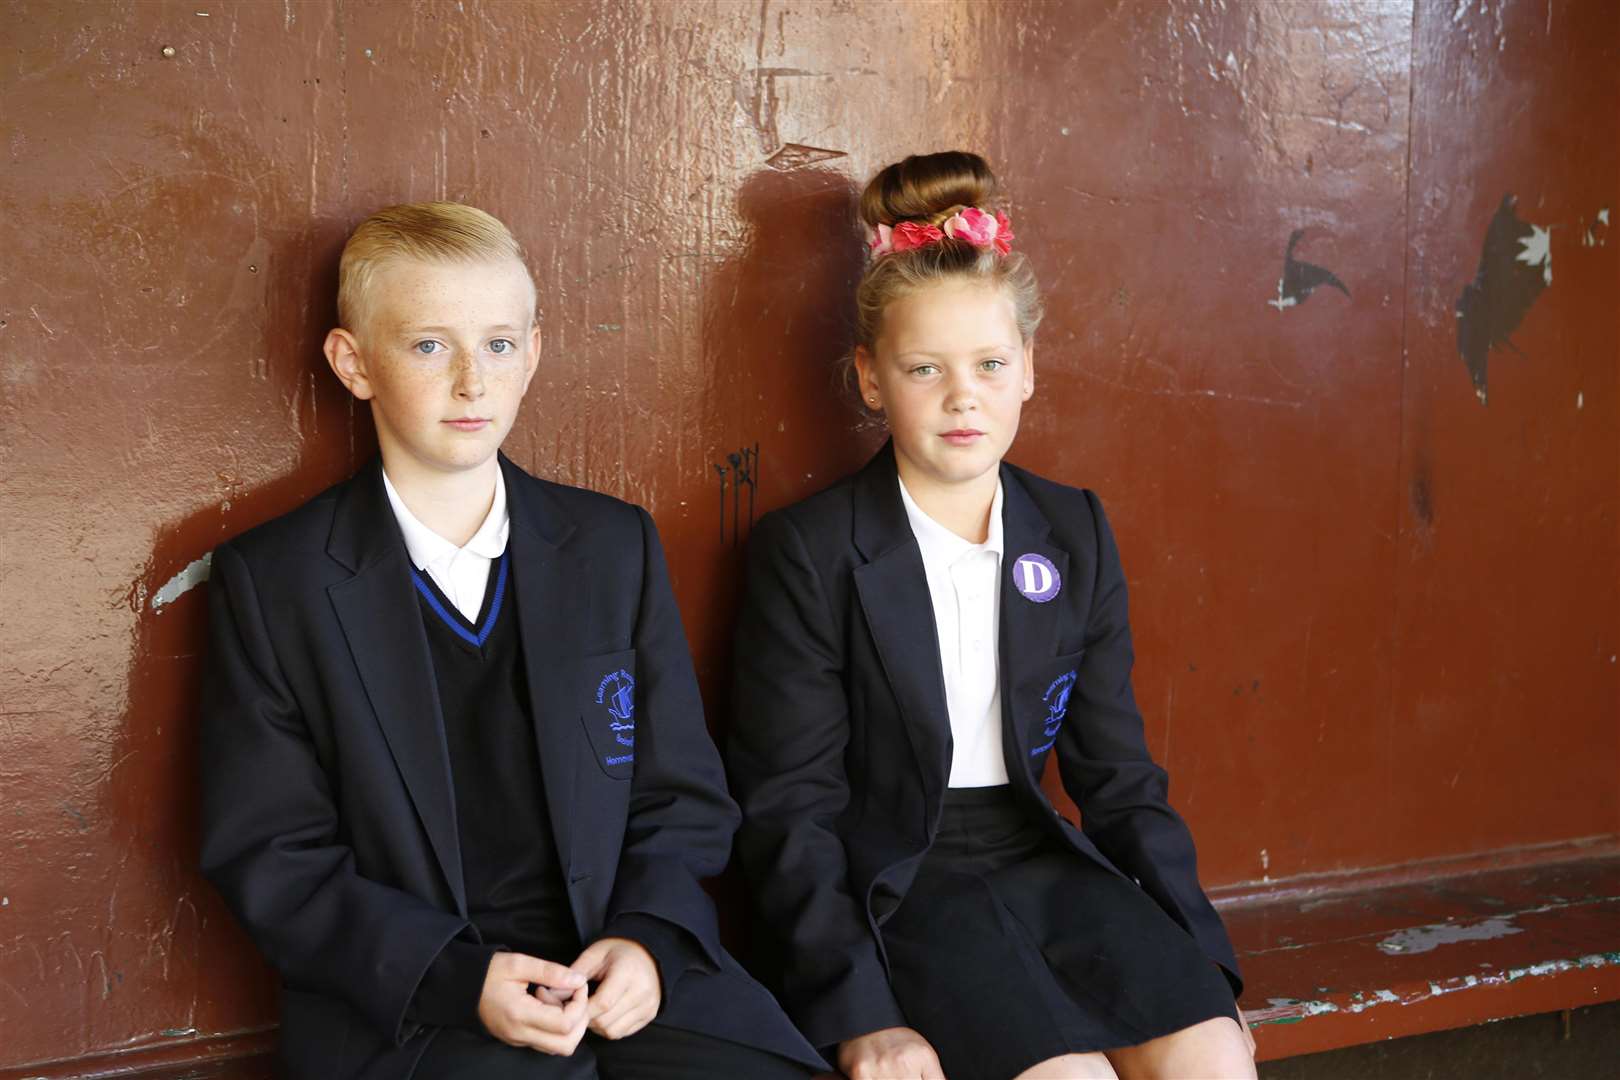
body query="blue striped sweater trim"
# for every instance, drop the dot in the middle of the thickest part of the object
(455, 624)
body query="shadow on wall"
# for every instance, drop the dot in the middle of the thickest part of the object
(777, 322)
(150, 800)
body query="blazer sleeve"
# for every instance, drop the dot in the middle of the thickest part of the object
(681, 820)
(1123, 795)
(786, 754)
(271, 841)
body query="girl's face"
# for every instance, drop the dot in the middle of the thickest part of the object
(951, 373)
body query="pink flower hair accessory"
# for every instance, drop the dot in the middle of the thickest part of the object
(969, 224)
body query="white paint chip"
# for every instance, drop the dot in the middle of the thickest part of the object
(1282, 301)
(1537, 251)
(195, 573)
(1422, 939)
(1580, 400)
(1592, 238)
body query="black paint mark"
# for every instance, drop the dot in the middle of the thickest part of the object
(1300, 279)
(1513, 269)
(740, 470)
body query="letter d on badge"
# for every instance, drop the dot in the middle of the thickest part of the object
(1036, 577)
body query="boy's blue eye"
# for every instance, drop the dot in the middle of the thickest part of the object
(426, 348)
(995, 363)
(502, 346)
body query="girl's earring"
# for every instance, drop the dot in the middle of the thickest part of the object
(872, 401)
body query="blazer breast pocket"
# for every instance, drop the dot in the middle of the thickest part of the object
(1054, 686)
(608, 710)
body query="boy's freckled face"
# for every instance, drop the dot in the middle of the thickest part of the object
(447, 350)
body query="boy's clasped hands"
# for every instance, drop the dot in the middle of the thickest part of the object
(554, 1017)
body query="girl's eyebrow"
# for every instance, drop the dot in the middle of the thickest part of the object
(979, 351)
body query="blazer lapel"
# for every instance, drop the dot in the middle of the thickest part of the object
(381, 619)
(552, 611)
(1029, 627)
(893, 589)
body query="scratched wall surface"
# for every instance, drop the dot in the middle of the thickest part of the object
(1376, 618)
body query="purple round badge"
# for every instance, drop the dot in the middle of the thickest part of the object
(1036, 577)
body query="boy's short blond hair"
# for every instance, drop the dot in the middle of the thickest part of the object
(447, 232)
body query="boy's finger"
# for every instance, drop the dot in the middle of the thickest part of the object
(551, 996)
(577, 1008)
(535, 1017)
(591, 962)
(545, 972)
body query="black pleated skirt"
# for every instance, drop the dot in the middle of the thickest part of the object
(1010, 949)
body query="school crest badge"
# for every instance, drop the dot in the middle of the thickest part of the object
(1056, 700)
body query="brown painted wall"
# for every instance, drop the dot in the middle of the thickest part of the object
(1377, 620)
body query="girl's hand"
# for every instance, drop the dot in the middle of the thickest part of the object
(896, 1053)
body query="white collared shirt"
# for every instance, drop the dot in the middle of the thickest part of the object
(461, 573)
(963, 582)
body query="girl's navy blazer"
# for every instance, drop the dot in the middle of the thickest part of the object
(328, 814)
(840, 747)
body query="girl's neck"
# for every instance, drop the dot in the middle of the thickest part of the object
(452, 504)
(962, 507)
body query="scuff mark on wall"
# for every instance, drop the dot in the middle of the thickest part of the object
(195, 573)
(797, 156)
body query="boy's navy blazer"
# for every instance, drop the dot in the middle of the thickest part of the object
(840, 747)
(328, 815)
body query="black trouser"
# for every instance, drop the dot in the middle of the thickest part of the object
(653, 1053)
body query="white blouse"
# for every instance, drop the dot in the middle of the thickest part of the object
(963, 582)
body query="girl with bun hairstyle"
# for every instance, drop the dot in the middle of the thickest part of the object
(916, 641)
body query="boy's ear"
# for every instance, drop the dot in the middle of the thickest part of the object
(534, 355)
(343, 354)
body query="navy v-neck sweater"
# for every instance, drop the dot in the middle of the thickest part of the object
(516, 896)
(514, 884)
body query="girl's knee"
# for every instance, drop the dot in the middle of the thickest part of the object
(1071, 1067)
(1214, 1048)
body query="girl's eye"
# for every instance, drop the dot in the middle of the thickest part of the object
(502, 346)
(924, 369)
(427, 348)
(995, 363)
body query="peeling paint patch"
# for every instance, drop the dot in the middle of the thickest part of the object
(1422, 939)
(195, 573)
(1293, 1010)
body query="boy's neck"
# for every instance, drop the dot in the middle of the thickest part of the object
(454, 504)
(963, 508)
